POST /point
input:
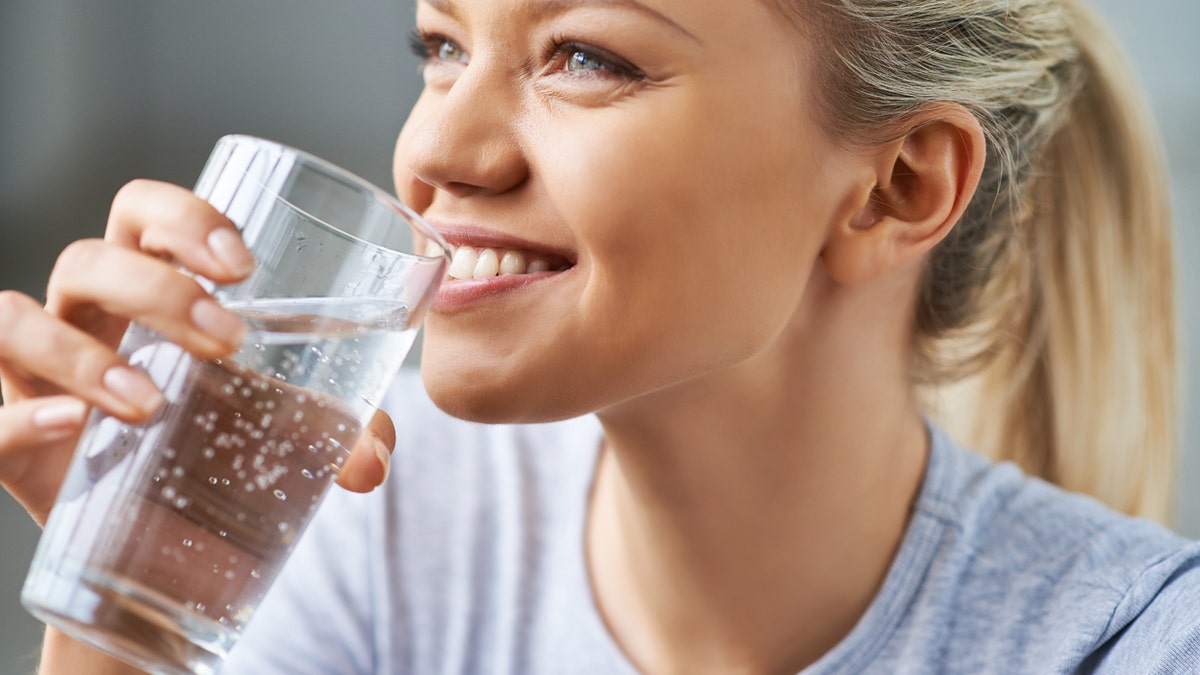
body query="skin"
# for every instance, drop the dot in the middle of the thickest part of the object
(737, 310)
(737, 314)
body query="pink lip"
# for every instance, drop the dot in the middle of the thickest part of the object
(459, 294)
(481, 237)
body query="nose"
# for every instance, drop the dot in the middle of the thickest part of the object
(463, 141)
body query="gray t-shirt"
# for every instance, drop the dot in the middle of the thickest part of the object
(470, 560)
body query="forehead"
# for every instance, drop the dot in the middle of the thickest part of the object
(678, 15)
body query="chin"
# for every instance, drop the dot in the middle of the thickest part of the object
(489, 398)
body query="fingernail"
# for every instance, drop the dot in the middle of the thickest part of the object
(228, 248)
(385, 457)
(133, 387)
(57, 416)
(218, 322)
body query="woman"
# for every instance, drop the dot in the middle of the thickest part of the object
(758, 240)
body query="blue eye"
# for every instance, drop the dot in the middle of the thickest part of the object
(583, 61)
(449, 51)
(575, 57)
(431, 47)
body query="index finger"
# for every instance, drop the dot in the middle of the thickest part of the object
(170, 221)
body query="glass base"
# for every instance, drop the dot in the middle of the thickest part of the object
(127, 623)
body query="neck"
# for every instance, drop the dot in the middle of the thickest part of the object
(744, 521)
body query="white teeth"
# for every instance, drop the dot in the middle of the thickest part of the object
(512, 263)
(488, 265)
(463, 265)
(484, 263)
(433, 249)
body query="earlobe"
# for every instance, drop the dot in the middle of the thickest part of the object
(921, 184)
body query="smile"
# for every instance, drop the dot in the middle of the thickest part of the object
(474, 262)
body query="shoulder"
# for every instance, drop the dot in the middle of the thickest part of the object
(1026, 570)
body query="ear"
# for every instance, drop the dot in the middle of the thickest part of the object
(919, 187)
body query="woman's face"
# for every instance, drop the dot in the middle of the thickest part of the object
(651, 169)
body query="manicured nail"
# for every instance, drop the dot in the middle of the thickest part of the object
(228, 248)
(133, 387)
(218, 322)
(385, 457)
(60, 416)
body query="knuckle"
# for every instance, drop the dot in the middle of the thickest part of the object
(77, 255)
(13, 306)
(130, 191)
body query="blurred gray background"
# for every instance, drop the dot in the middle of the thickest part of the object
(96, 92)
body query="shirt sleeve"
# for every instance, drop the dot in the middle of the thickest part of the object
(1165, 636)
(316, 619)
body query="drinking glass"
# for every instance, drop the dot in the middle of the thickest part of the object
(166, 535)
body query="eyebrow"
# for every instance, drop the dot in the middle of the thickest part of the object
(554, 7)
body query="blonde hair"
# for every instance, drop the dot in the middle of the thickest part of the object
(1050, 304)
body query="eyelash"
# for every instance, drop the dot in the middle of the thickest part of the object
(425, 45)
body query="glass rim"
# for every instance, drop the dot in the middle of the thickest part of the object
(353, 179)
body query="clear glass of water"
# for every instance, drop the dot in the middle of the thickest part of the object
(166, 535)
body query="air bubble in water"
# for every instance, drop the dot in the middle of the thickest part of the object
(168, 492)
(229, 574)
(187, 543)
(209, 453)
(177, 471)
(280, 495)
(306, 473)
(255, 574)
(212, 480)
(181, 502)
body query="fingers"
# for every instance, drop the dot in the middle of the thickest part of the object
(36, 440)
(92, 274)
(370, 460)
(171, 221)
(45, 348)
(29, 425)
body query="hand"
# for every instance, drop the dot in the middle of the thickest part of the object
(58, 361)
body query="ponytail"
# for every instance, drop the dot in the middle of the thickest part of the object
(1045, 330)
(1086, 396)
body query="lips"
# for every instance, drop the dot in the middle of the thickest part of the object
(486, 263)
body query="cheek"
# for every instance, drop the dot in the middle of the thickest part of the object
(694, 231)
